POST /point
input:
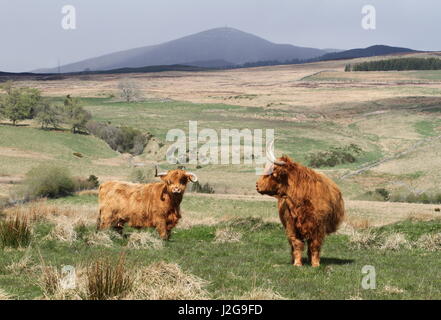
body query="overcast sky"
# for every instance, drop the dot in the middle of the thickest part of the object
(32, 36)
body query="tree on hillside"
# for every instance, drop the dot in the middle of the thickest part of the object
(19, 103)
(129, 90)
(74, 114)
(49, 115)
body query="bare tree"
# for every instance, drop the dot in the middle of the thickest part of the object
(129, 90)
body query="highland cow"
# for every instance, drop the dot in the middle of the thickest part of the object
(144, 205)
(310, 205)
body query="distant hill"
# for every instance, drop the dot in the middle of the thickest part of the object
(4, 76)
(211, 48)
(377, 50)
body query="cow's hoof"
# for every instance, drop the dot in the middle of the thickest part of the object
(297, 264)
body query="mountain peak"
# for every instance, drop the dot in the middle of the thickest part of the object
(226, 44)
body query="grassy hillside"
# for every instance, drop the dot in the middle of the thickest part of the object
(393, 116)
(24, 147)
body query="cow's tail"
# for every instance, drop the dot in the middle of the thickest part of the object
(98, 221)
(337, 216)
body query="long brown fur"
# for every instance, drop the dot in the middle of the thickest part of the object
(143, 205)
(310, 206)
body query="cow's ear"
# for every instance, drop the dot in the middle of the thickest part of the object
(164, 178)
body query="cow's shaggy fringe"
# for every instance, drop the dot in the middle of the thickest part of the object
(144, 240)
(167, 281)
(430, 242)
(227, 235)
(261, 294)
(4, 295)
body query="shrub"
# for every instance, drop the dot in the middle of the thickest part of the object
(198, 188)
(434, 198)
(121, 139)
(48, 181)
(86, 184)
(49, 115)
(141, 175)
(74, 114)
(107, 280)
(18, 104)
(15, 232)
(383, 192)
(129, 90)
(335, 156)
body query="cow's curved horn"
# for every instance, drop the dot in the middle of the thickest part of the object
(193, 177)
(270, 154)
(160, 174)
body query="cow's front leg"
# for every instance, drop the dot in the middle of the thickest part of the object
(161, 228)
(314, 247)
(298, 251)
(297, 244)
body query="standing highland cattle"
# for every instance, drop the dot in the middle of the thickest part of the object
(310, 205)
(144, 205)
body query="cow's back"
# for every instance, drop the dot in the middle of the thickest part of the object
(117, 201)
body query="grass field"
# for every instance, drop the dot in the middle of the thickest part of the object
(213, 247)
(395, 117)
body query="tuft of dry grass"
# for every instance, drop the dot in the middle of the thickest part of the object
(25, 264)
(107, 280)
(392, 289)
(144, 240)
(430, 242)
(50, 281)
(395, 241)
(364, 239)
(358, 223)
(167, 281)
(191, 219)
(261, 294)
(15, 232)
(101, 238)
(63, 231)
(41, 210)
(4, 295)
(225, 235)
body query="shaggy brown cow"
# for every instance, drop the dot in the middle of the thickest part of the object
(144, 205)
(310, 205)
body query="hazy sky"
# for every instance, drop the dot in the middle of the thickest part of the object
(32, 36)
